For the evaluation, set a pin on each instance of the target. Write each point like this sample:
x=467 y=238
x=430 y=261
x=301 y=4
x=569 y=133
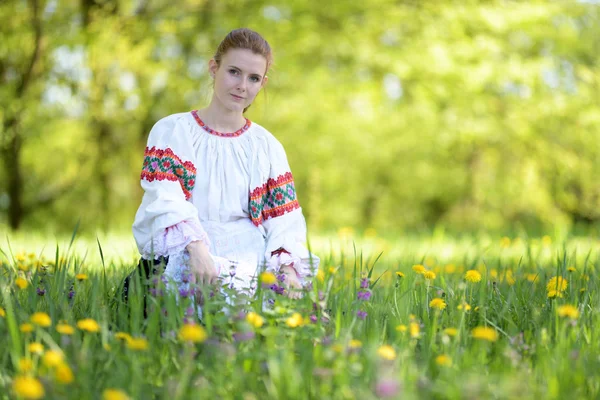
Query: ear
x=212 y=67
x=264 y=81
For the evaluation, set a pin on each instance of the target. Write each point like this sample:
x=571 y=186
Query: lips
x=237 y=97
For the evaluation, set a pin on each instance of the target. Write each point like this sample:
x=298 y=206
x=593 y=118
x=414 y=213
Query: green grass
x=538 y=353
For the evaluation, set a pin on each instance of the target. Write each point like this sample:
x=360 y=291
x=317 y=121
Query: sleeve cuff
x=174 y=239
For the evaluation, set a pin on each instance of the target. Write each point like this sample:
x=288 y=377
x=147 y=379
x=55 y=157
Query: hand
x=291 y=282
x=202 y=267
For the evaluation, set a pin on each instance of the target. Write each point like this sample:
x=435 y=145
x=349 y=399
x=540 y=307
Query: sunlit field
x=412 y=317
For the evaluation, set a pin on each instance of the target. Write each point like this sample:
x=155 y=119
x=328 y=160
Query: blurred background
x=397 y=116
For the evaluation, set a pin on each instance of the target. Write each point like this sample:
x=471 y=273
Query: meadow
x=436 y=317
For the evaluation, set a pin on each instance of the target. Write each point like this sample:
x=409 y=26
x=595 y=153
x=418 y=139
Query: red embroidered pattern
x=165 y=165
x=273 y=199
x=213 y=132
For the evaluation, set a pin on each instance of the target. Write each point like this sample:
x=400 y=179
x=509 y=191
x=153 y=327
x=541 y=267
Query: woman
x=219 y=197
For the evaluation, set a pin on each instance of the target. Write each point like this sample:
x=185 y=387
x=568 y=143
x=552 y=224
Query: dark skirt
x=144 y=273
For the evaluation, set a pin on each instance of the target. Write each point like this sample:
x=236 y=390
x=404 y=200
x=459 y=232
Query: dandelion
x=192 y=333
x=355 y=344
x=485 y=333
x=81 y=277
x=415 y=330
x=26 y=328
x=401 y=328
x=255 y=320
x=532 y=277
x=64 y=374
x=21 y=283
x=450 y=268
x=571 y=269
x=553 y=294
x=386 y=352
x=65 y=329
x=41 y=319
x=138 y=344
x=2 y=312
x=429 y=275
x=36 y=348
x=333 y=270
x=473 y=276
x=505 y=242
x=28 y=387
x=419 y=269
x=321 y=275
x=295 y=320
x=52 y=358
x=546 y=240
x=557 y=283
x=88 y=325
x=568 y=311
x=464 y=306
x=437 y=303
x=451 y=331
x=25 y=365
x=114 y=394
x=122 y=336
x=268 y=278
x=443 y=360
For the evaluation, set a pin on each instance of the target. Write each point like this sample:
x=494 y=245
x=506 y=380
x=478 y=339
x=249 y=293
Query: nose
x=242 y=86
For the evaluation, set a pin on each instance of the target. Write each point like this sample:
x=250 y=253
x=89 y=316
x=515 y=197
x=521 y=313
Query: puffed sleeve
x=276 y=207
x=167 y=221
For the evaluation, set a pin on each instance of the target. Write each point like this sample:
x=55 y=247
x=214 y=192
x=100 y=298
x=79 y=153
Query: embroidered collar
x=213 y=132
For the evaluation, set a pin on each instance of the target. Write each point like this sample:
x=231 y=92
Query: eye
x=233 y=71
x=255 y=79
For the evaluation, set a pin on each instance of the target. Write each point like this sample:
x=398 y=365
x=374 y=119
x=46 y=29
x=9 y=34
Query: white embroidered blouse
x=234 y=191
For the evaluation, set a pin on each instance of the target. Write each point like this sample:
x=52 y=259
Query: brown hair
x=248 y=39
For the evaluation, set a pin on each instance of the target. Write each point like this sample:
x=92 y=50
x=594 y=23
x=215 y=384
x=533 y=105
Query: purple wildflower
x=313 y=319
x=387 y=388
x=364 y=283
x=71 y=294
x=185 y=278
x=281 y=277
x=364 y=295
x=321 y=295
x=41 y=291
x=232 y=272
x=361 y=314
x=184 y=293
x=243 y=336
x=308 y=286
x=271 y=301
x=190 y=311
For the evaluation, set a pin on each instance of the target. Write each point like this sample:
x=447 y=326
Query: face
x=238 y=79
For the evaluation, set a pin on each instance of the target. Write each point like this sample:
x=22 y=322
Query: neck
x=221 y=119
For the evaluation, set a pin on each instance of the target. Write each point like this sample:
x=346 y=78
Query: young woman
x=219 y=197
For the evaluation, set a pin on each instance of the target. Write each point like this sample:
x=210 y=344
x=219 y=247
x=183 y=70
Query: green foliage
x=472 y=115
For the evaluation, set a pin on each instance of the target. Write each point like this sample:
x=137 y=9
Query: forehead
x=245 y=60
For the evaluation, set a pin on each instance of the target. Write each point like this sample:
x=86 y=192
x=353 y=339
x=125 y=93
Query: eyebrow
x=253 y=73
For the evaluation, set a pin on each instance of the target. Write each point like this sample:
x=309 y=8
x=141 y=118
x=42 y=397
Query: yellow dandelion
x=321 y=275
x=64 y=374
x=255 y=320
x=451 y=331
x=106 y=346
x=124 y=336
x=485 y=333
x=429 y=275
x=192 y=333
x=26 y=327
x=268 y=278
x=295 y=320
x=114 y=394
x=418 y=268
x=386 y=352
x=81 y=277
x=553 y=294
x=21 y=283
x=464 y=306
x=568 y=311
x=28 y=387
x=493 y=273
x=582 y=290
x=2 y=312
x=505 y=242
x=88 y=325
x=21 y=257
x=52 y=358
x=333 y=270
x=23 y=267
x=546 y=240
x=415 y=330
x=557 y=283
x=370 y=233
x=532 y=277
x=41 y=319
x=450 y=268
x=399 y=274
x=473 y=276
x=443 y=360
x=25 y=365
x=437 y=303
x=355 y=344
x=36 y=348
x=509 y=277
x=571 y=269
x=65 y=329
x=138 y=344
x=402 y=328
